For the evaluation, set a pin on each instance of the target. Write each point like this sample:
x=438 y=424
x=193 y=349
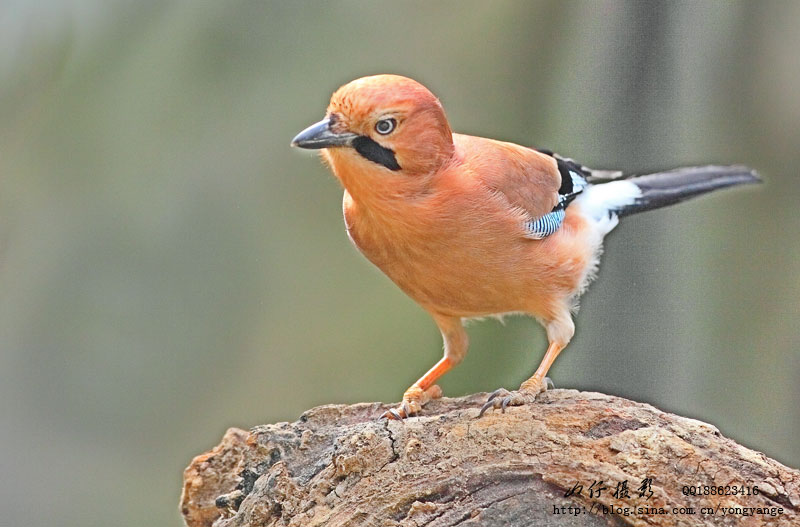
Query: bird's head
x=382 y=123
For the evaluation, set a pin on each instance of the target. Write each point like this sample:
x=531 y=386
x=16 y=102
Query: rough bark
x=339 y=465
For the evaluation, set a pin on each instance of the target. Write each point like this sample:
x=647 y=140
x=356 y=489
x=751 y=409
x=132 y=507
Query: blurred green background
x=169 y=267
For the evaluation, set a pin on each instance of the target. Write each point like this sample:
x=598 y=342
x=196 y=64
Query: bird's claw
x=413 y=400
x=502 y=398
x=406 y=409
x=496 y=401
x=393 y=414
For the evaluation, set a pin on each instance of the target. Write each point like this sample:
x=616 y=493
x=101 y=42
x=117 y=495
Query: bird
x=471 y=227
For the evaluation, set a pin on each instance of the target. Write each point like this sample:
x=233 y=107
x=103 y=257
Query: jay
x=473 y=227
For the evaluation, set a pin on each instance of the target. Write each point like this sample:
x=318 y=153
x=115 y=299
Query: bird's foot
x=502 y=398
x=413 y=401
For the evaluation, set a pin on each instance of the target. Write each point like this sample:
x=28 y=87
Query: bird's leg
x=559 y=333
x=422 y=391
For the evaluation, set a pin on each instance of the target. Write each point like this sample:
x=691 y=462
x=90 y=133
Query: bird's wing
x=573 y=181
x=592 y=175
x=526 y=179
x=540 y=184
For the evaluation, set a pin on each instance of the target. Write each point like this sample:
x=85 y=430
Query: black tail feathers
x=667 y=188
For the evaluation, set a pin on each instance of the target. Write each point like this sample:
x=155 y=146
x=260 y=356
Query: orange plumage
x=447 y=217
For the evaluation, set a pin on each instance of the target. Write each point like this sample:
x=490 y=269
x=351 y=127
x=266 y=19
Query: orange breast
x=462 y=253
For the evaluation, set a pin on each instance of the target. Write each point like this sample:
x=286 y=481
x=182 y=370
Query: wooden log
x=564 y=461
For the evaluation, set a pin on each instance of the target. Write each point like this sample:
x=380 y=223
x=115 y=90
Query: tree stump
x=571 y=459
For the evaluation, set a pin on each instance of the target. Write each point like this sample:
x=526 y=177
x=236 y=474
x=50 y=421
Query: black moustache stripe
x=376 y=153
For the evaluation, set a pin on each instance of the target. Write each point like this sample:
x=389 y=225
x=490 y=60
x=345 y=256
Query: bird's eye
x=385 y=126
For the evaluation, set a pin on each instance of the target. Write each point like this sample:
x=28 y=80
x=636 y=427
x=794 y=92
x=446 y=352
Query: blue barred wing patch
x=546 y=225
x=551 y=222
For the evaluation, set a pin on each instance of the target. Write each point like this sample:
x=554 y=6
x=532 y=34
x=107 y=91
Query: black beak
x=320 y=135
